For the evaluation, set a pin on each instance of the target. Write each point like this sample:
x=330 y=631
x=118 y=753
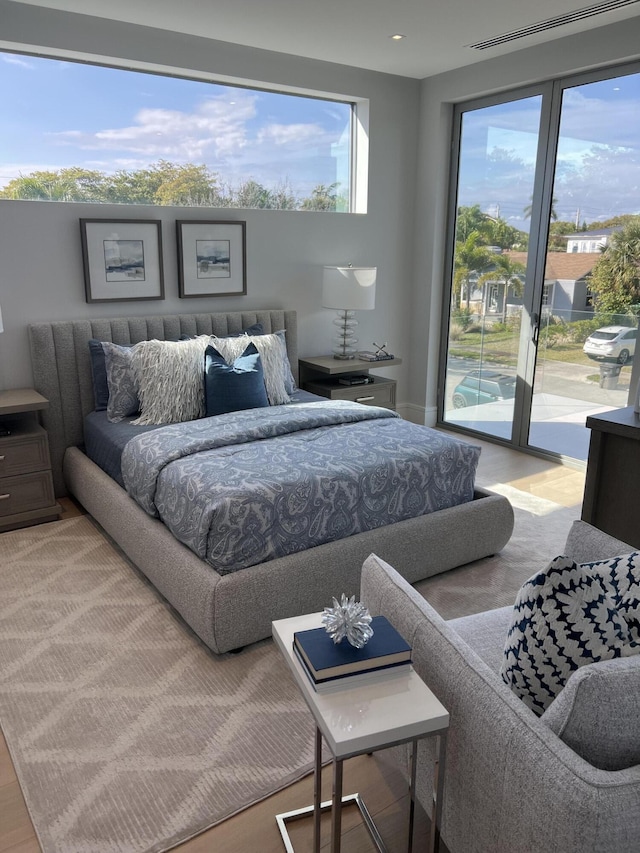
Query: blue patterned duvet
x=246 y=487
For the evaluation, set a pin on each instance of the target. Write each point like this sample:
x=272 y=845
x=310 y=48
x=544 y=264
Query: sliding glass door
x=543 y=259
x=498 y=147
x=581 y=369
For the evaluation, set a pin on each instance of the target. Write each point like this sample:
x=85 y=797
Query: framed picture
x=211 y=258
x=122 y=259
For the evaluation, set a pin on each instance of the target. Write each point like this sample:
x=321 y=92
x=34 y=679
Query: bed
x=228 y=610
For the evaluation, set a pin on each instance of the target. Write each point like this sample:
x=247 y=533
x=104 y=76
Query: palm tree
x=470 y=257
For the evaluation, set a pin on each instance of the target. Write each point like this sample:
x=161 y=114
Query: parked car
x=611 y=343
x=483 y=386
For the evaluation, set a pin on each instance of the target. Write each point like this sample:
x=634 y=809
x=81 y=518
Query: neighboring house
x=589 y=241
x=566 y=292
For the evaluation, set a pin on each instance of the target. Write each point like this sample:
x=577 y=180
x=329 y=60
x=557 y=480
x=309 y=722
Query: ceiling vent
x=552 y=23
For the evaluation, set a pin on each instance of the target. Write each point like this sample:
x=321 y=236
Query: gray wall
x=403 y=233
x=613 y=44
x=41 y=274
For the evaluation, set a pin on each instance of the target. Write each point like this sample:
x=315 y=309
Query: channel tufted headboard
x=62 y=369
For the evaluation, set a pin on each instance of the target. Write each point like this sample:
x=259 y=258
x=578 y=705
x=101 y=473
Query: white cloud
x=216 y=128
x=293 y=135
x=10 y=59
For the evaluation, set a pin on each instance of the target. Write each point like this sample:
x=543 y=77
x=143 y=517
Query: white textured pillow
x=170 y=377
x=273 y=354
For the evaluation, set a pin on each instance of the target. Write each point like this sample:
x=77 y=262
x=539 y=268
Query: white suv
x=611 y=343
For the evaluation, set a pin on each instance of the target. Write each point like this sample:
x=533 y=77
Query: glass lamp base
x=344 y=347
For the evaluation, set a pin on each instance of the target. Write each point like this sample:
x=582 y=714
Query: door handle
x=535 y=318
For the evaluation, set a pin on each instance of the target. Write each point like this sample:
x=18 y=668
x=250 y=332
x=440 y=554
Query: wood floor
x=378 y=782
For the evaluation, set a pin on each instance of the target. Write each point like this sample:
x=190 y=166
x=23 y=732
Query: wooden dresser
x=612 y=487
x=26 y=485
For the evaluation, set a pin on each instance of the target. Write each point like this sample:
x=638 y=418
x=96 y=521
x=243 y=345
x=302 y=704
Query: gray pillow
x=598 y=714
x=121 y=381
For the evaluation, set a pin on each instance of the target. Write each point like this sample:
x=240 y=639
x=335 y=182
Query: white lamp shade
x=349 y=288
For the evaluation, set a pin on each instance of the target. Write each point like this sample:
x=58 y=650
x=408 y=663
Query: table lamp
x=348 y=289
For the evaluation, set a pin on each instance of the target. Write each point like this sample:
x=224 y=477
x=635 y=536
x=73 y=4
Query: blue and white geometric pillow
x=622 y=577
x=564 y=617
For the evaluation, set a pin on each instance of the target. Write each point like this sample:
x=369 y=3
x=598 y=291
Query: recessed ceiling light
x=397 y=36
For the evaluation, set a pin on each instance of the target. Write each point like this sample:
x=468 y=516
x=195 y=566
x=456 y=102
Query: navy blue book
x=326 y=660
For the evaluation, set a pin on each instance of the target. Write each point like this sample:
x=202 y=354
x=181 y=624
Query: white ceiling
x=355 y=32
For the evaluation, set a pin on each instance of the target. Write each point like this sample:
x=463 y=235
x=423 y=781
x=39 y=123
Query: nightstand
x=26 y=484
x=321 y=375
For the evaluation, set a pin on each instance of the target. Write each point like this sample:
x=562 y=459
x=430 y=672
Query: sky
x=597 y=173
x=56 y=114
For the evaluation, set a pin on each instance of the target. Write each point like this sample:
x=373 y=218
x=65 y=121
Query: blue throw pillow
x=98 y=375
x=232 y=387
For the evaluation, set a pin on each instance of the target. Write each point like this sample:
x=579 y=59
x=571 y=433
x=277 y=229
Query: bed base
x=229 y=611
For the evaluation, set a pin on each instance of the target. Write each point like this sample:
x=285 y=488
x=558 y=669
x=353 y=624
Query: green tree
x=188 y=185
x=499 y=233
x=493 y=230
x=471 y=256
x=251 y=194
x=72 y=184
x=558 y=231
x=323 y=197
x=615 y=279
x=470 y=219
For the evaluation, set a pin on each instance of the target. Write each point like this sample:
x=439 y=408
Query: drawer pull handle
x=1 y=458
x=4 y=497
x=365 y=399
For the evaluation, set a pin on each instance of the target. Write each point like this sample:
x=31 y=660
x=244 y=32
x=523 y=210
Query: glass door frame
x=551 y=93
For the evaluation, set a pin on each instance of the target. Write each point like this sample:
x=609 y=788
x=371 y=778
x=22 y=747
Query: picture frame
x=122 y=259
x=212 y=258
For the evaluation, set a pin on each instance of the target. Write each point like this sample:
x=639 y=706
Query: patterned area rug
x=539 y=535
x=127 y=734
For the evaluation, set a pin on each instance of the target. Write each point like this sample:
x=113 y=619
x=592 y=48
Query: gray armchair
x=515 y=782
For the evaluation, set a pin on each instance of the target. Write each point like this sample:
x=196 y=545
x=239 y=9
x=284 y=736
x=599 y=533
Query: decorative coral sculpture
x=348 y=618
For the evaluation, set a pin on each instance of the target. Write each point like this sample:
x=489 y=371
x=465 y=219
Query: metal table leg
x=438 y=786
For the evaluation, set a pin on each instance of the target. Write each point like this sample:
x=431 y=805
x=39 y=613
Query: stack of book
x=331 y=666
x=368 y=355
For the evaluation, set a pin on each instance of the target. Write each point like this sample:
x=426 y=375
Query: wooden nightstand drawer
x=380 y=392
x=24 y=451
x=26 y=492
x=373 y=394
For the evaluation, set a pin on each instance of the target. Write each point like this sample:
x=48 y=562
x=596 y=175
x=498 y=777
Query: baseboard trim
x=418 y=414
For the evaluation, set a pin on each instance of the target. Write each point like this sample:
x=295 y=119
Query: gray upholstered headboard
x=62 y=369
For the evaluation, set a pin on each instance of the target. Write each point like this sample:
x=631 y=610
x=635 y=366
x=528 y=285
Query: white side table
x=396 y=708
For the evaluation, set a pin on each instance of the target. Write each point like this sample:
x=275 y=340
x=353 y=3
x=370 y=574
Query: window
x=79 y=132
